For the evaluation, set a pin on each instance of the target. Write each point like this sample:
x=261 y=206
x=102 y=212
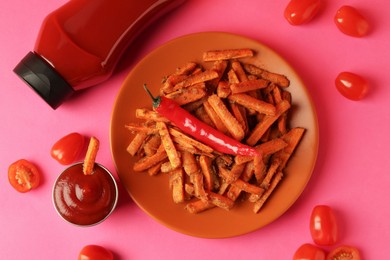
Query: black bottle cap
x=44 y=79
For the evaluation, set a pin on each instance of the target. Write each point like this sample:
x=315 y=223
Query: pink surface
x=351 y=174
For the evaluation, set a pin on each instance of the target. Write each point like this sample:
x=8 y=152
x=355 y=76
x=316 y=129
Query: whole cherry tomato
x=301 y=11
x=95 y=252
x=68 y=148
x=344 y=253
x=309 y=252
x=323 y=226
x=351 y=22
x=351 y=85
x=23 y=175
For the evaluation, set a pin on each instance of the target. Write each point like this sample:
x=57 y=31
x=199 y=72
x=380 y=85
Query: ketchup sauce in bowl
x=85 y=200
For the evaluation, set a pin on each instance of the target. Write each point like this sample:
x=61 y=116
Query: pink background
x=351 y=175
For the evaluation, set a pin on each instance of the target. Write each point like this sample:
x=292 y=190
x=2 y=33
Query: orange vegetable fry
x=267 y=148
x=176 y=180
x=292 y=138
x=166 y=167
x=217 y=121
x=260 y=203
x=167 y=142
x=185 y=138
x=182 y=146
x=208 y=172
x=198 y=206
x=230 y=122
x=190 y=107
x=268 y=120
x=152 y=144
x=248 y=85
x=278 y=79
x=223 y=89
x=148 y=161
x=197 y=78
x=190 y=165
x=253 y=103
x=186 y=69
x=235 y=172
x=277 y=94
x=188 y=95
x=232 y=77
x=90 y=157
x=239 y=113
x=201 y=114
x=248 y=171
x=220 y=200
x=219 y=66
x=241 y=75
x=227 y=54
x=141 y=128
x=156 y=169
x=136 y=143
x=146 y=114
x=170 y=82
x=197 y=180
x=270 y=173
x=259 y=168
x=247 y=187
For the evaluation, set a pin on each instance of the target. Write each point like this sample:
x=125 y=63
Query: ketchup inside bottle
x=80 y=43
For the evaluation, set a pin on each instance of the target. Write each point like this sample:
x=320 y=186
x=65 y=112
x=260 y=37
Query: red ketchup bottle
x=80 y=43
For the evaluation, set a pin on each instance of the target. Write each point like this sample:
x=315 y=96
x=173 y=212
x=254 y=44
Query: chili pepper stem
x=156 y=100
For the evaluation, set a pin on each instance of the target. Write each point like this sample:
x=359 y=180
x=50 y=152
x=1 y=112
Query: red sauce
x=85 y=199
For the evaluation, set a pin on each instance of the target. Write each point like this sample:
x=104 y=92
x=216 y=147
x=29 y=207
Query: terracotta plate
x=152 y=194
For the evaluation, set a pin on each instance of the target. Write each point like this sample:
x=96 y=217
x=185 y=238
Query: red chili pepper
x=198 y=129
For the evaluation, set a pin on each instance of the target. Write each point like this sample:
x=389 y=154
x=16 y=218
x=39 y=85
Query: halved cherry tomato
x=68 y=148
x=323 y=226
x=95 y=252
x=351 y=85
x=344 y=253
x=301 y=11
x=351 y=22
x=309 y=252
x=23 y=175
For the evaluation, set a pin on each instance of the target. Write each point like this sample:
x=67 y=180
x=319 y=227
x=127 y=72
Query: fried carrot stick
x=268 y=120
x=253 y=103
x=148 y=161
x=278 y=79
x=176 y=180
x=146 y=114
x=136 y=143
x=167 y=142
x=197 y=78
x=188 y=95
x=227 y=54
x=249 y=85
x=90 y=157
x=230 y=122
x=260 y=203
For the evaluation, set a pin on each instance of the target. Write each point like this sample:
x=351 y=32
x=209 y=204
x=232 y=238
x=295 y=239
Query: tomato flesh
x=67 y=149
x=23 y=175
x=309 y=252
x=301 y=11
x=95 y=252
x=351 y=22
x=323 y=226
x=344 y=253
x=351 y=85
